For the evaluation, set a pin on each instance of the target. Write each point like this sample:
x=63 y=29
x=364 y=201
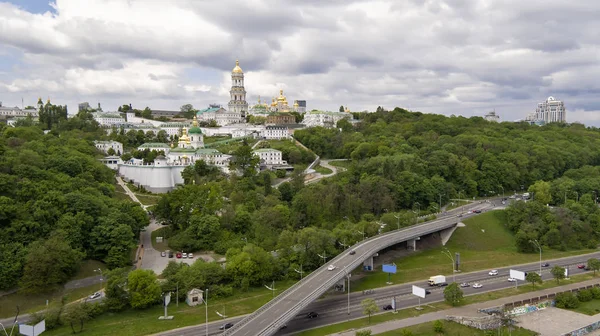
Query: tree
x=593 y=264
x=369 y=307
x=342 y=109
x=245 y=160
x=110 y=151
x=541 y=192
x=188 y=111
x=366 y=332
x=74 y=314
x=406 y=332
x=144 y=289
x=116 y=294
x=534 y=278
x=558 y=273
x=453 y=294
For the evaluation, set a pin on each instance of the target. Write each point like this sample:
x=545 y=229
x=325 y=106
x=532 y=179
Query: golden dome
x=281 y=96
x=273 y=103
x=296 y=103
x=237 y=68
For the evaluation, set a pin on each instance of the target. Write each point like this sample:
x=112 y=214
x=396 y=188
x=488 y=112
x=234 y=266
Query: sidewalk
x=469 y=310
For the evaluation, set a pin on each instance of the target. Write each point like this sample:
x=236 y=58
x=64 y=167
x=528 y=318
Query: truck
x=437 y=280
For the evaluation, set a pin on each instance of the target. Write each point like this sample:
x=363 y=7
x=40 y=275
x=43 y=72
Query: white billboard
x=418 y=291
x=32 y=330
x=517 y=275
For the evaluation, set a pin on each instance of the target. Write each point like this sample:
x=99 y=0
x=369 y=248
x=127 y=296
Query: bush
x=438 y=326
x=585 y=295
x=595 y=292
x=280 y=173
x=566 y=301
x=220 y=291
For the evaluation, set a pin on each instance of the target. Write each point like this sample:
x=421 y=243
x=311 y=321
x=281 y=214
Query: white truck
x=437 y=280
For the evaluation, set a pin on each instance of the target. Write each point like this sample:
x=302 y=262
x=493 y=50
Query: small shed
x=194 y=297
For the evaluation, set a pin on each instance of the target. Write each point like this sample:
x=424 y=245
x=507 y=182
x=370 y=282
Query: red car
x=178 y=254
x=582 y=266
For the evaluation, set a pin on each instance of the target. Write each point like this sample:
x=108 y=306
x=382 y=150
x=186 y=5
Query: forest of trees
x=57 y=206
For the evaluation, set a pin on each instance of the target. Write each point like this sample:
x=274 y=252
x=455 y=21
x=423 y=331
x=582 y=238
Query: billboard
x=32 y=330
x=517 y=275
x=389 y=268
x=418 y=291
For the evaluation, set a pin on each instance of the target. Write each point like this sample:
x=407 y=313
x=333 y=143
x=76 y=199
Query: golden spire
x=195 y=122
x=237 y=68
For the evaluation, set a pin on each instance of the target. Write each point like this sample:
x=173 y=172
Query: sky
x=461 y=57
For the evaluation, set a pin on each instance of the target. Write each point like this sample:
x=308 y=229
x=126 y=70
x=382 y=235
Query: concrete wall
x=481 y=323
x=156 y=179
x=585 y=330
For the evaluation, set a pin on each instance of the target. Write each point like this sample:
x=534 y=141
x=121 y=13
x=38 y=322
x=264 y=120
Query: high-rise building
x=492 y=116
x=237 y=102
x=551 y=110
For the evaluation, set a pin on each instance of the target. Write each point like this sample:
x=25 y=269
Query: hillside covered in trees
x=57 y=206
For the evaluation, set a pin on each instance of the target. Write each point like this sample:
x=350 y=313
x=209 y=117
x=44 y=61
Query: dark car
x=170 y=254
x=283 y=327
x=443 y=284
x=545 y=265
x=312 y=315
x=226 y=326
x=427 y=292
x=352 y=252
x=388 y=307
x=477 y=211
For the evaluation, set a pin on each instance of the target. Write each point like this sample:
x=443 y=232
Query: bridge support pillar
x=368 y=264
x=412 y=244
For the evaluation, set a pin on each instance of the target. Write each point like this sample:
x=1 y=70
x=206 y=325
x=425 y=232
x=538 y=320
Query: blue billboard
x=389 y=268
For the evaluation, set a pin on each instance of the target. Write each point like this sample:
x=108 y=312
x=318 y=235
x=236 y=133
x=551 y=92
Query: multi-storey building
x=549 y=111
x=237 y=102
x=108 y=119
x=104 y=146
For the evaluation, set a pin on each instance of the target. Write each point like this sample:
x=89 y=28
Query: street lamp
x=537 y=244
x=300 y=271
x=324 y=256
x=440 y=203
x=206 y=310
x=361 y=232
x=398 y=218
x=447 y=253
x=502 y=192
x=418 y=212
x=101 y=276
x=272 y=288
x=348 y=277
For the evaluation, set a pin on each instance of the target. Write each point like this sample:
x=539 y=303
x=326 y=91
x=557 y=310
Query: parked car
x=283 y=327
x=427 y=291
x=512 y=279
x=352 y=252
x=190 y=256
x=170 y=254
x=493 y=272
x=477 y=211
x=226 y=326
x=163 y=254
x=464 y=284
x=545 y=265
x=388 y=307
x=184 y=255
x=312 y=315
x=477 y=285
x=331 y=267
x=95 y=295
x=178 y=255
x=582 y=266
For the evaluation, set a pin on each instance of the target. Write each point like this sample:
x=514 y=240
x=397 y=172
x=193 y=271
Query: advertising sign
x=389 y=268
x=517 y=275
x=418 y=291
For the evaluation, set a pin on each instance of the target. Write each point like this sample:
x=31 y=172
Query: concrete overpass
x=268 y=319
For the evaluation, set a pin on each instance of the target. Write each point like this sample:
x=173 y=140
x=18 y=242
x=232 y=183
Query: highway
x=334 y=309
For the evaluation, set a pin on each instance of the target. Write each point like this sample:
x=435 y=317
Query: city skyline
x=444 y=57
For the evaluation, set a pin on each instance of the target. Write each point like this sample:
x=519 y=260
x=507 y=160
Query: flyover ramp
x=269 y=318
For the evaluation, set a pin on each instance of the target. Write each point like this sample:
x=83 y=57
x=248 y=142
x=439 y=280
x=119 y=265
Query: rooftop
x=154 y=145
x=267 y=150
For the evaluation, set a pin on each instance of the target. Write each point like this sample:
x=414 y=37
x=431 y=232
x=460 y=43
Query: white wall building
x=131 y=118
x=276 y=132
x=221 y=116
x=324 y=118
x=108 y=119
x=155 y=146
x=104 y=146
x=112 y=162
x=551 y=110
x=270 y=156
x=7 y=112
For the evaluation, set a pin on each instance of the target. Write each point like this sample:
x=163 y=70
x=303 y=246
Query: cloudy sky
x=462 y=57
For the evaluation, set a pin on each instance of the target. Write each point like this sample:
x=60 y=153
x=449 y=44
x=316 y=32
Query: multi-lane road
x=334 y=309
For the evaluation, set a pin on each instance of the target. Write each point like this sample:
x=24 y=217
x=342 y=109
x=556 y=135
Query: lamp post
x=459 y=202
x=440 y=203
x=447 y=253
x=206 y=311
x=398 y=218
x=537 y=244
x=418 y=212
x=324 y=256
x=348 y=277
x=101 y=276
x=272 y=289
x=300 y=271
x=502 y=192
x=361 y=232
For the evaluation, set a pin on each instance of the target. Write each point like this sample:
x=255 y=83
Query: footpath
x=471 y=310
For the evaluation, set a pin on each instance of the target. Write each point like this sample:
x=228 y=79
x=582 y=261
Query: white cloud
x=441 y=56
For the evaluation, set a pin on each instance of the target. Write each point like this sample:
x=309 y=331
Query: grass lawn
x=32 y=303
x=143 y=322
x=87 y=268
x=483 y=244
x=323 y=170
x=589 y=308
x=148 y=199
x=159 y=246
x=452 y=328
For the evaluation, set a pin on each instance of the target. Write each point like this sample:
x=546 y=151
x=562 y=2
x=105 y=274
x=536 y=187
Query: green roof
x=195 y=130
x=210 y=109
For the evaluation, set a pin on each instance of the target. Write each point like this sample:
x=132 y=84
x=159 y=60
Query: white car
x=331 y=267
x=95 y=295
x=184 y=255
x=477 y=285
x=512 y=279
x=190 y=256
x=493 y=272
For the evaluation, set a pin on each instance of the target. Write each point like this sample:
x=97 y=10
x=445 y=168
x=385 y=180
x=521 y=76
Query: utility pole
x=537 y=244
x=206 y=310
x=272 y=288
x=440 y=203
x=398 y=218
x=447 y=253
x=101 y=277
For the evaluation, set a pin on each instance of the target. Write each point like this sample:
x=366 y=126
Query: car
x=312 y=315
x=226 y=326
x=587 y=268
x=512 y=197
x=477 y=211
x=178 y=255
x=512 y=279
x=493 y=272
x=388 y=307
x=352 y=252
x=477 y=285
x=170 y=254
x=464 y=284
x=184 y=255
x=443 y=284
x=459 y=215
x=190 y=256
x=427 y=291
x=95 y=295
x=582 y=266
x=331 y=267
x=545 y=265
x=283 y=327
x=163 y=254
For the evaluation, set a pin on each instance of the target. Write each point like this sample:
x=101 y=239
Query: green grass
x=483 y=244
x=144 y=322
x=147 y=199
x=589 y=308
x=87 y=268
x=452 y=328
x=323 y=170
x=159 y=246
x=32 y=303
x=209 y=140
